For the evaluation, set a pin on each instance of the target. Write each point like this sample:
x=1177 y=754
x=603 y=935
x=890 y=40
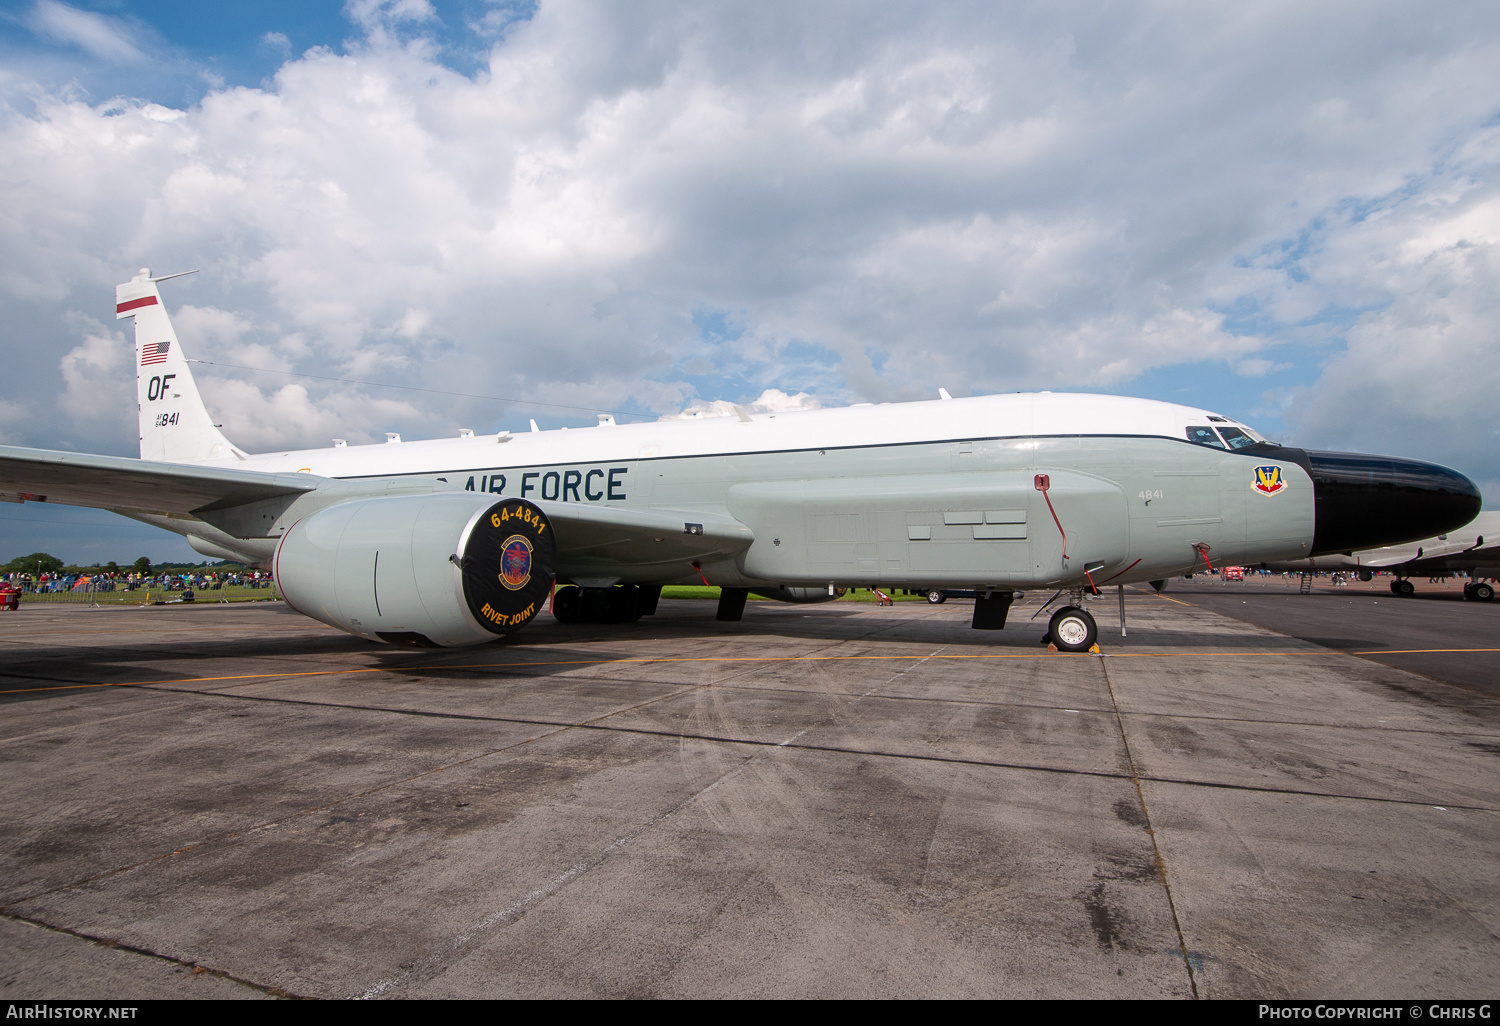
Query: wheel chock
x=1052 y=647
x=1094 y=649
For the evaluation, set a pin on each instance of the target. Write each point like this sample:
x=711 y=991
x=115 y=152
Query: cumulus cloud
x=104 y=37
x=98 y=376
x=635 y=208
x=772 y=400
x=1424 y=365
x=12 y=416
x=287 y=416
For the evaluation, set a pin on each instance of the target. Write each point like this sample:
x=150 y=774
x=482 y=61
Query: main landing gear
x=625 y=603
x=1474 y=591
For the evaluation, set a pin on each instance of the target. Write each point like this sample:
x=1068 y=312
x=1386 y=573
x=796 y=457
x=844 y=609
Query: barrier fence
x=147 y=595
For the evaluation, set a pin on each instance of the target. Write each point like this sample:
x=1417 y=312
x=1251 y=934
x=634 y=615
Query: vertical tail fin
x=174 y=424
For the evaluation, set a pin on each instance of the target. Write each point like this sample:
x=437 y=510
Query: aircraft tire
x=936 y=597
x=1405 y=589
x=621 y=604
x=567 y=604
x=1073 y=629
x=1484 y=592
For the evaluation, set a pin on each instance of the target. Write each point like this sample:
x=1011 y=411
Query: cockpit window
x=1204 y=436
x=1236 y=438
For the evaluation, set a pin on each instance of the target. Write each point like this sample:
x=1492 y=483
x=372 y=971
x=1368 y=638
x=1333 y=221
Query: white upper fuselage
x=1019 y=415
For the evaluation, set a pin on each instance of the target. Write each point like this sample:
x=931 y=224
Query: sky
x=1283 y=212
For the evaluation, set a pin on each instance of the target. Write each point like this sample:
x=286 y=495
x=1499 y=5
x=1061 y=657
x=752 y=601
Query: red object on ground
x=10 y=597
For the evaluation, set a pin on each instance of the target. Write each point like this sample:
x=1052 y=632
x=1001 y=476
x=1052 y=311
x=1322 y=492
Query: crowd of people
x=106 y=581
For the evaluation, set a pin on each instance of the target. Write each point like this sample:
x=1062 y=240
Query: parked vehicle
x=937 y=596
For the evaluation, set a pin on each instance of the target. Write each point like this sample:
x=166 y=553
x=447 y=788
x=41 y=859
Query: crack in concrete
x=1161 y=866
x=196 y=967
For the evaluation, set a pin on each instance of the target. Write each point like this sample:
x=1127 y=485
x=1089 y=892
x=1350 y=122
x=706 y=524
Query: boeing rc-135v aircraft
x=458 y=541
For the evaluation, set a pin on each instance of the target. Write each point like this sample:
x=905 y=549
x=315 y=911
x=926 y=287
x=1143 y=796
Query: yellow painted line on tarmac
x=1420 y=651
x=170 y=630
x=202 y=680
x=1170 y=599
x=1257 y=654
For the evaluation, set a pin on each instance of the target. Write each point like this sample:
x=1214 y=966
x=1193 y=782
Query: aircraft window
x=1204 y=436
x=1236 y=438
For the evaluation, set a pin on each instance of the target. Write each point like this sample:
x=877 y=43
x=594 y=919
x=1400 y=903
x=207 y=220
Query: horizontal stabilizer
x=117 y=482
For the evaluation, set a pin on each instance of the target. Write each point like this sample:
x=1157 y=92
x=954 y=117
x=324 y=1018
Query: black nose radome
x=1364 y=502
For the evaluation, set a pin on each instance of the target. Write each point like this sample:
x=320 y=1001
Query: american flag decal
x=154 y=352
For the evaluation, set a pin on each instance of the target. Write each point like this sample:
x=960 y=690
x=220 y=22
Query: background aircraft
x=1461 y=550
x=459 y=541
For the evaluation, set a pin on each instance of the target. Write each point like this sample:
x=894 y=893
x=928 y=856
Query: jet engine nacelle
x=440 y=569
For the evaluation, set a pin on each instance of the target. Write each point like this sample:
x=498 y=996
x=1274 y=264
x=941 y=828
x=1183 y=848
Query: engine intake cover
x=439 y=569
x=509 y=563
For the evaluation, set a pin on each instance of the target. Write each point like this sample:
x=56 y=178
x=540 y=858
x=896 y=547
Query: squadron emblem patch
x=1269 y=480
x=515 y=562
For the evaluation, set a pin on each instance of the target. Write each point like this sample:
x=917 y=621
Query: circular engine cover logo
x=515 y=562
x=508 y=565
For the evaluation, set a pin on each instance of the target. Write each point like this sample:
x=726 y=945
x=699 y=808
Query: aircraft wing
x=1464 y=559
x=1378 y=560
x=593 y=541
x=602 y=540
x=144 y=486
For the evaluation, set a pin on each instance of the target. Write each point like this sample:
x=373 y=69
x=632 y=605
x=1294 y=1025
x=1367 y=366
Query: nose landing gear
x=1072 y=629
